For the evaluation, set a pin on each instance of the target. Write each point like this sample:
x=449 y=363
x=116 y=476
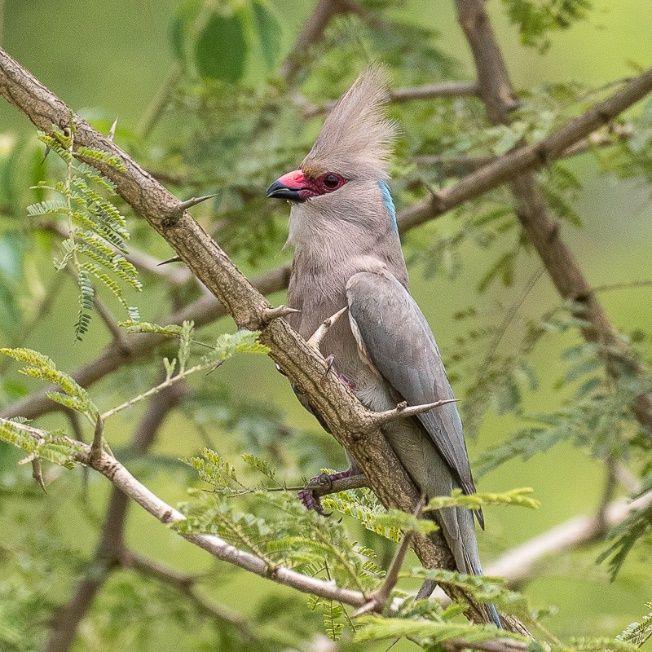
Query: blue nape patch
x=389 y=202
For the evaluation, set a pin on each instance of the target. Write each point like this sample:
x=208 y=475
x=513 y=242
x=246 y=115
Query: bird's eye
x=331 y=181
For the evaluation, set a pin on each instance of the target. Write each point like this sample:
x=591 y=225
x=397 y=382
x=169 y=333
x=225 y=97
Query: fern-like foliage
x=97 y=231
x=639 y=632
x=281 y=530
x=518 y=497
x=54 y=447
x=637 y=526
x=427 y=632
x=72 y=396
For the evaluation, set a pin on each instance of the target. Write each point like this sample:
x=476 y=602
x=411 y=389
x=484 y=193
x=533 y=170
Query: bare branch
x=312 y=32
x=518 y=565
x=122 y=480
x=401 y=95
x=340 y=410
x=207 y=309
x=112 y=326
x=186 y=584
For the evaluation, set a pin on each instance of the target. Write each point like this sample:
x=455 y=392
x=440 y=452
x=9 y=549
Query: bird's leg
x=328 y=483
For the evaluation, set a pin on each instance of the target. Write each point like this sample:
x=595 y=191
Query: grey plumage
x=347 y=252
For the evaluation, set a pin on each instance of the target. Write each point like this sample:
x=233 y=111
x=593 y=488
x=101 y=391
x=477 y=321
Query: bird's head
x=350 y=154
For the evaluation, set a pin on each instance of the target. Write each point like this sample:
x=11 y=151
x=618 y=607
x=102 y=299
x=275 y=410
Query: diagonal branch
x=345 y=417
x=129 y=487
x=207 y=309
x=186 y=584
x=496 y=92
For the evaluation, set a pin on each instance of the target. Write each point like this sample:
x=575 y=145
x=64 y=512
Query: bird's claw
x=320 y=484
x=311 y=501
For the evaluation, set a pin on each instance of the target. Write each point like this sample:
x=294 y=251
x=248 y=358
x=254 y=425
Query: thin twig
x=159 y=102
x=168 y=382
x=378 y=598
x=404 y=411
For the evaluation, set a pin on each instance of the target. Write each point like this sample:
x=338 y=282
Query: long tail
x=459 y=531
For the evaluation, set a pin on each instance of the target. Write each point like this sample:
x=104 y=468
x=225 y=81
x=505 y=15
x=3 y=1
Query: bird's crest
x=356 y=138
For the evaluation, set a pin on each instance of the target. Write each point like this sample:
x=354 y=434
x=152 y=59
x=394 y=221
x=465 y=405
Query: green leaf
x=221 y=49
x=268 y=31
x=520 y=497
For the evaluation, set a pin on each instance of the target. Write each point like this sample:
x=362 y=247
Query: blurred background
x=111 y=60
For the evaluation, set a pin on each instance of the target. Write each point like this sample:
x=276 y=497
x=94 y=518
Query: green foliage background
x=116 y=55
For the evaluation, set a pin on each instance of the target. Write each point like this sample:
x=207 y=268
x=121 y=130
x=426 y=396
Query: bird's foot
x=321 y=484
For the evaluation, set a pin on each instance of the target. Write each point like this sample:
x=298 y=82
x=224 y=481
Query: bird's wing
x=398 y=340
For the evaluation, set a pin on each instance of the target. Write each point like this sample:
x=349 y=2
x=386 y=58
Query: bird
x=348 y=257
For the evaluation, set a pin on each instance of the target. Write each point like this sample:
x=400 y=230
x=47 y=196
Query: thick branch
x=346 y=418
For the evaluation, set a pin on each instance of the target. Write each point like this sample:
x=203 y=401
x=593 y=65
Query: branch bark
x=496 y=91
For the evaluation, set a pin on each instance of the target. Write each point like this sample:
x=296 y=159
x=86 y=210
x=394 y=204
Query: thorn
x=111 y=134
x=315 y=339
x=330 y=361
x=403 y=410
x=38 y=475
x=174 y=259
x=98 y=441
x=193 y=201
x=269 y=314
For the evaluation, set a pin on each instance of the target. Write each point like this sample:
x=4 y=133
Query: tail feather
x=465 y=548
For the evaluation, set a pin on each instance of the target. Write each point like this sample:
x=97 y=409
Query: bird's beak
x=288 y=186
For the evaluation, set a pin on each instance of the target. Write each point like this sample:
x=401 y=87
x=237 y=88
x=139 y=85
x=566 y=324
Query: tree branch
x=312 y=32
x=517 y=565
x=496 y=91
x=110 y=543
x=186 y=584
x=346 y=418
x=408 y=94
x=130 y=487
